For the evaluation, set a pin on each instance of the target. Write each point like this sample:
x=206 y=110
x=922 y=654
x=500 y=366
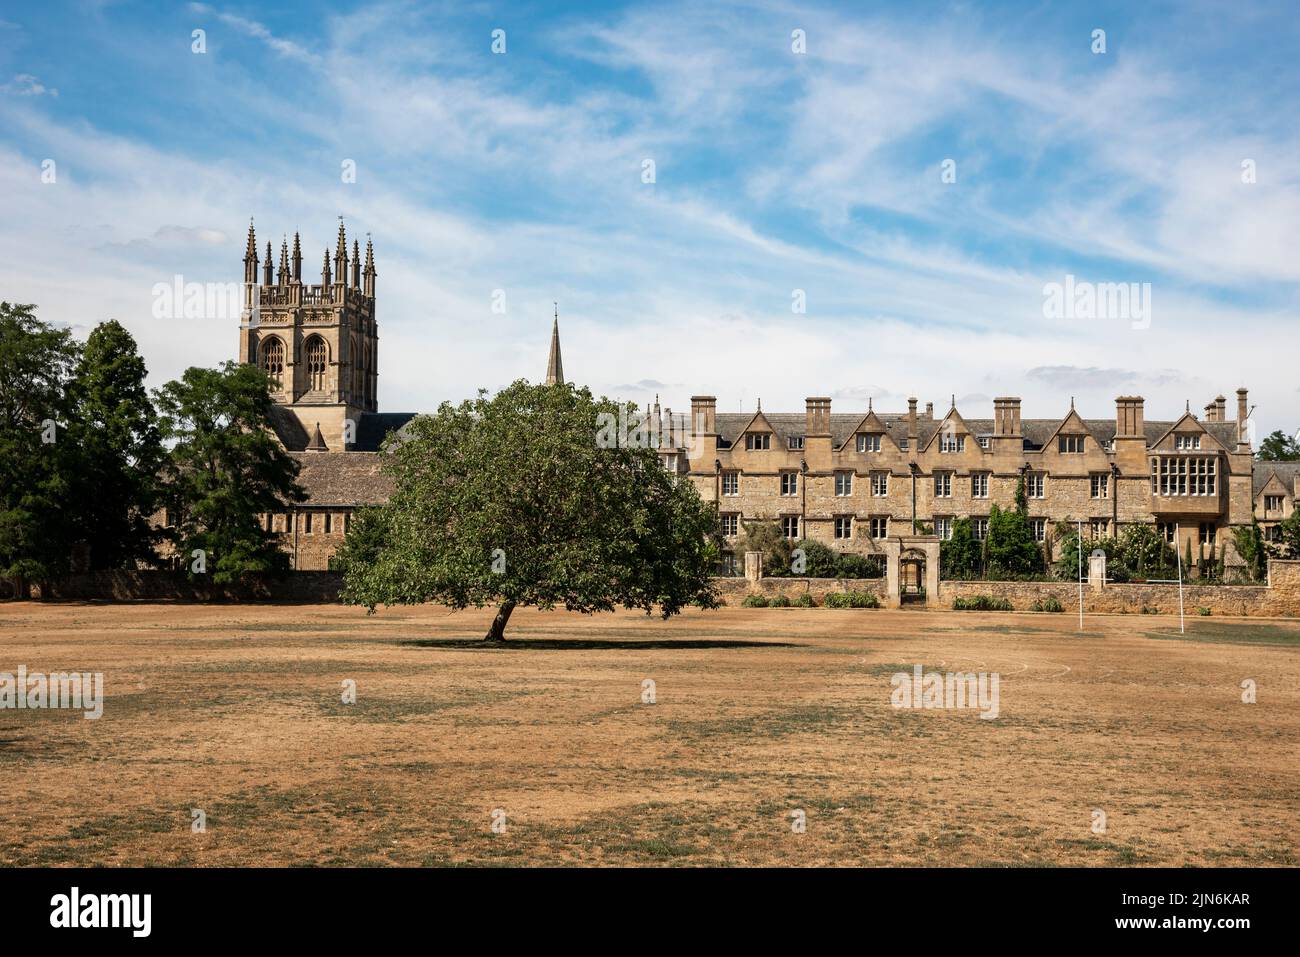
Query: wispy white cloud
x=24 y=84
x=776 y=173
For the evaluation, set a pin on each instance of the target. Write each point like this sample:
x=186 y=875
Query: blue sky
x=775 y=171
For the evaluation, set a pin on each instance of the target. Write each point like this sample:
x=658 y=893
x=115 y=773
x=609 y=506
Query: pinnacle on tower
x=325 y=272
x=341 y=259
x=370 y=268
x=297 y=259
x=356 y=265
x=284 y=261
x=554 y=366
x=266 y=266
x=250 y=256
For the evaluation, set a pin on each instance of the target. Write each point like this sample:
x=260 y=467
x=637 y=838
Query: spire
x=325 y=272
x=370 y=268
x=341 y=257
x=284 y=261
x=297 y=259
x=266 y=266
x=250 y=255
x=317 y=443
x=356 y=265
x=554 y=366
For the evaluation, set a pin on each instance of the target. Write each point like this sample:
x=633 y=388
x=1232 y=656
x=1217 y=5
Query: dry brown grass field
x=236 y=710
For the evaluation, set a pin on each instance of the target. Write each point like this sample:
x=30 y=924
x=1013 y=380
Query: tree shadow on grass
x=593 y=644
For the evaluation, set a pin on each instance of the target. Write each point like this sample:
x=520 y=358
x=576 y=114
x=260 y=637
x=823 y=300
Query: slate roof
x=1036 y=432
x=342 y=478
x=1285 y=471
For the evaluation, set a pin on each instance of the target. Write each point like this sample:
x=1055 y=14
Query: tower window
x=317 y=363
x=273 y=361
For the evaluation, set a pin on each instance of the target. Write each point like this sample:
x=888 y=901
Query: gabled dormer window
x=758 y=441
x=1069 y=444
x=952 y=443
x=868 y=442
x=1187 y=441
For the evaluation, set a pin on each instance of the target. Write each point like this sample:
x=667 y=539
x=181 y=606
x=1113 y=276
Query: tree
x=1278 y=447
x=224 y=472
x=367 y=529
x=36 y=526
x=512 y=500
x=1010 y=547
x=1068 y=564
x=1142 y=552
x=767 y=537
x=1252 y=549
x=961 y=556
x=113 y=432
x=1288 y=534
x=820 y=561
x=849 y=565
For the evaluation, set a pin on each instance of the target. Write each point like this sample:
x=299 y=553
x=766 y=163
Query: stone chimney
x=1220 y=409
x=1006 y=415
x=911 y=424
x=704 y=415
x=1243 y=413
x=1130 y=421
x=817 y=416
x=1211 y=412
x=929 y=410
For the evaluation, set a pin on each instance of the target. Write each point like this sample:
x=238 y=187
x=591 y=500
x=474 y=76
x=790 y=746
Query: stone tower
x=319 y=343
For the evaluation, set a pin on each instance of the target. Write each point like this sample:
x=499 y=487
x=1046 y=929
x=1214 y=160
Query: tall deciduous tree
x=1278 y=447
x=511 y=500
x=224 y=472
x=36 y=363
x=114 y=437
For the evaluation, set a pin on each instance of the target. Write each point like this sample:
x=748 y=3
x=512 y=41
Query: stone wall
x=307 y=586
x=734 y=590
x=1236 y=600
x=1280 y=598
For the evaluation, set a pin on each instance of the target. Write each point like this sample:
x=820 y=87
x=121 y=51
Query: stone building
x=1276 y=486
x=319 y=344
x=851 y=480
x=855 y=480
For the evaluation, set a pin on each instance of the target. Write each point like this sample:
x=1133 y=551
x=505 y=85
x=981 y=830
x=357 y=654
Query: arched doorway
x=911 y=569
x=911 y=576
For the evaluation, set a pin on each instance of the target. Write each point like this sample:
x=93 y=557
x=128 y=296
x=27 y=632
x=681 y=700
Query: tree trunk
x=498 y=630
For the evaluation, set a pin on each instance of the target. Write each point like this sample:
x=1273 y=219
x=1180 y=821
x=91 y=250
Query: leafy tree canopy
x=962 y=555
x=224 y=471
x=113 y=432
x=1278 y=447
x=36 y=525
x=510 y=500
x=1010 y=547
x=767 y=537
